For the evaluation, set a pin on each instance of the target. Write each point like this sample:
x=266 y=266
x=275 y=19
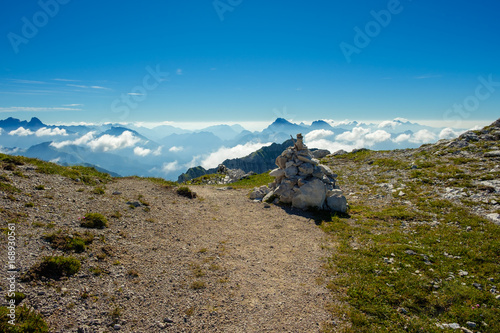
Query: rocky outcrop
x=300 y=180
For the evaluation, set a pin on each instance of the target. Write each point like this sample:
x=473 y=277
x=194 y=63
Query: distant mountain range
x=167 y=151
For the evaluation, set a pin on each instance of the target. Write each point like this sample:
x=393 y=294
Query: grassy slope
x=400 y=266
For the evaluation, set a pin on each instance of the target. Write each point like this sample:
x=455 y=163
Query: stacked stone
x=302 y=181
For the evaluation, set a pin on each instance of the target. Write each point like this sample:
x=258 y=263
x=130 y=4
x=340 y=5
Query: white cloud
x=356 y=134
x=318 y=134
x=157 y=151
x=104 y=143
x=215 y=158
x=334 y=123
x=175 y=149
x=1 y=131
x=376 y=137
x=361 y=137
x=403 y=120
x=51 y=131
x=35 y=109
x=55 y=160
x=78 y=142
x=109 y=142
x=179 y=71
x=423 y=136
x=139 y=151
x=389 y=124
x=21 y=131
x=402 y=138
x=171 y=167
x=448 y=133
x=332 y=146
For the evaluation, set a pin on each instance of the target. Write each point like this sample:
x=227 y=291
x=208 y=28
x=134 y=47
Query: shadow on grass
x=317 y=215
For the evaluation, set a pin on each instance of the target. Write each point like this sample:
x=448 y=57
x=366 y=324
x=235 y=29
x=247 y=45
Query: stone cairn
x=300 y=180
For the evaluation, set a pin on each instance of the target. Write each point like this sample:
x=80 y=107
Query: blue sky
x=249 y=60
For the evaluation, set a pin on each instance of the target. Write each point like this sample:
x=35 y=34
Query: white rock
x=306 y=159
x=336 y=201
x=495 y=218
x=278 y=173
x=312 y=194
x=326 y=170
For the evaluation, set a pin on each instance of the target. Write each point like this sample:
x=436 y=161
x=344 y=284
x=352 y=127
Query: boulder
x=306 y=169
x=336 y=201
x=303 y=158
x=291 y=171
x=320 y=153
x=278 y=173
x=281 y=161
x=310 y=195
x=259 y=192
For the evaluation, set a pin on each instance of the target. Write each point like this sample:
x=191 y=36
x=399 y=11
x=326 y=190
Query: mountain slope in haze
x=259 y=161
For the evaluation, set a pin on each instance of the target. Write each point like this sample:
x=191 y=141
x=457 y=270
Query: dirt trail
x=274 y=258
x=217 y=263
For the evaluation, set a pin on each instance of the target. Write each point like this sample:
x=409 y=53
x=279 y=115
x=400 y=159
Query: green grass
x=26 y=321
x=159 y=181
x=94 y=220
x=390 y=164
x=87 y=175
x=253 y=181
x=361 y=155
x=413 y=292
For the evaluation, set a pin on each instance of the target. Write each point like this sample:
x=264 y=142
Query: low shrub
x=94 y=220
x=54 y=268
x=27 y=321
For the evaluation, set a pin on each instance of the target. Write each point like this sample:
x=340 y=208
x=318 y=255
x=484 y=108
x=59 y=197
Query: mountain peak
x=35 y=122
x=281 y=121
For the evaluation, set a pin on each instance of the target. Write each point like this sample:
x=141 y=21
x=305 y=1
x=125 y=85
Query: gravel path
x=217 y=263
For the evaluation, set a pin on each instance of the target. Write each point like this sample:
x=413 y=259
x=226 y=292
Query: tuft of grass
x=40 y=187
x=98 y=191
x=29 y=205
x=27 y=321
x=18 y=297
x=54 y=267
x=8 y=188
x=94 y=220
x=198 y=285
x=133 y=273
